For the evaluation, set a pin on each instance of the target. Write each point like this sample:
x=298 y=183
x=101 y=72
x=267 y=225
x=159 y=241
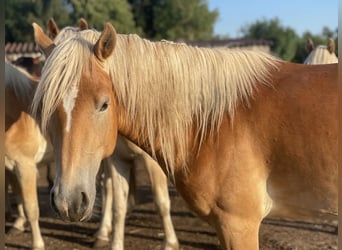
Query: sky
x=301 y=15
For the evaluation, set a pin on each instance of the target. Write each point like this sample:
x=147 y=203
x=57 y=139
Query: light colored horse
x=322 y=54
x=25 y=147
x=242 y=134
x=127 y=156
x=118 y=167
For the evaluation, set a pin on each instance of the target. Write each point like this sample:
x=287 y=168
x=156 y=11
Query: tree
x=174 y=19
x=320 y=39
x=155 y=19
x=117 y=12
x=20 y=14
x=285 y=40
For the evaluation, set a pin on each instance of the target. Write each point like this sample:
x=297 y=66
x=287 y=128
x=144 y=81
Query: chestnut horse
x=117 y=179
x=241 y=134
x=25 y=147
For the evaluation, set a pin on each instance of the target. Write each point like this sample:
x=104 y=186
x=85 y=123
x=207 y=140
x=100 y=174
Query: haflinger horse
x=30 y=64
x=25 y=147
x=322 y=54
x=117 y=180
x=241 y=134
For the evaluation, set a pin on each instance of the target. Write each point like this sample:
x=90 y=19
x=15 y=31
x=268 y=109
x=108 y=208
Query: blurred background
x=282 y=26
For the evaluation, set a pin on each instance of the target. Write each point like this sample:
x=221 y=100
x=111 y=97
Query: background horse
x=118 y=169
x=322 y=54
x=30 y=64
x=242 y=134
x=25 y=147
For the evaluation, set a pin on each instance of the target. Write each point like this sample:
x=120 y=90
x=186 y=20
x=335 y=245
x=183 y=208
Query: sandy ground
x=144 y=231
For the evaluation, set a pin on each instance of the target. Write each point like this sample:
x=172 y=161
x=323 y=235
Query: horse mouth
x=70 y=211
x=67 y=217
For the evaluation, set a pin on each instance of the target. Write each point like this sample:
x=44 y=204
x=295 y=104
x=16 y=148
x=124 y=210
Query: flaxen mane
x=165 y=87
x=21 y=82
x=321 y=55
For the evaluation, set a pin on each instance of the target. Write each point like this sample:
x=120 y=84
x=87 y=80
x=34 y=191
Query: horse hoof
x=100 y=243
x=38 y=248
x=14 y=231
x=171 y=246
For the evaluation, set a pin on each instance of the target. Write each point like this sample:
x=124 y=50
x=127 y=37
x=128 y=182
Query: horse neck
x=139 y=136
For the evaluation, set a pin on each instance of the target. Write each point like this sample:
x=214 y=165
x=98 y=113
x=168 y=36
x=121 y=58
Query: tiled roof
x=21 y=48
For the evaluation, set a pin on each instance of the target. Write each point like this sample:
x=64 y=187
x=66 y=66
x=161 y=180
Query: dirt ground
x=144 y=231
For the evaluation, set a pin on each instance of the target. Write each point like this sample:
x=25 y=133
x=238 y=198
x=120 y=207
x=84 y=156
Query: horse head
x=83 y=124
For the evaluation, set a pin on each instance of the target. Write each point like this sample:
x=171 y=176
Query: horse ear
x=52 y=28
x=331 y=45
x=83 y=24
x=36 y=60
x=309 y=45
x=42 y=40
x=104 y=47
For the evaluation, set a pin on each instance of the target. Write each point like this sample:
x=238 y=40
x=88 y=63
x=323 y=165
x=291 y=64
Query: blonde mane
x=165 y=87
x=21 y=82
x=321 y=55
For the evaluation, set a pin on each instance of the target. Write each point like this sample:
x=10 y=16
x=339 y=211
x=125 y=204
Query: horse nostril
x=85 y=200
x=52 y=201
x=81 y=207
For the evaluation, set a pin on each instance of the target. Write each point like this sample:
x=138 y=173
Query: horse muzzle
x=71 y=206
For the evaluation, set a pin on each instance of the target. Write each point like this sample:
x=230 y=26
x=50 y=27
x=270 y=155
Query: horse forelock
x=165 y=87
x=61 y=76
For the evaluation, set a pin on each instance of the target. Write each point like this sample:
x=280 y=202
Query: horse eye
x=104 y=106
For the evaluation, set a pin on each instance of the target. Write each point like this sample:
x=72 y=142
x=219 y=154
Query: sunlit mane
x=165 y=87
x=22 y=83
x=321 y=55
x=67 y=32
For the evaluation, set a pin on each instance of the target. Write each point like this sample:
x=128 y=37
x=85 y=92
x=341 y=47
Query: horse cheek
x=110 y=136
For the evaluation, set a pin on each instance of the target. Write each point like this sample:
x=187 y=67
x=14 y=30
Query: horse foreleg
x=102 y=235
x=161 y=199
x=8 y=181
x=236 y=232
x=27 y=176
x=19 y=223
x=120 y=177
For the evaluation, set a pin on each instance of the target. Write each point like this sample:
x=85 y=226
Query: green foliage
x=321 y=39
x=117 y=12
x=174 y=19
x=155 y=19
x=188 y=20
x=20 y=14
x=286 y=43
x=285 y=40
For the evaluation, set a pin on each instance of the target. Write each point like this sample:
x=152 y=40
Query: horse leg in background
x=120 y=172
x=8 y=206
x=50 y=174
x=131 y=200
x=161 y=198
x=102 y=235
x=19 y=223
x=27 y=176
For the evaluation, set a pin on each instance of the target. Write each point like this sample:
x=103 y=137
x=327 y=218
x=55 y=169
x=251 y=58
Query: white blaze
x=68 y=104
